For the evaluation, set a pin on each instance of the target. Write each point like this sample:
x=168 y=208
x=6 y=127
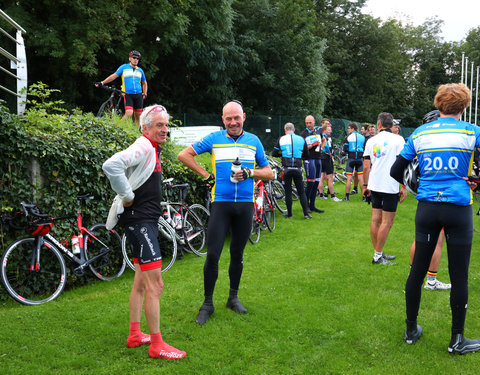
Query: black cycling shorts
x=133 y=101
x=327 y=166
x=385 y=201
x=143 y=241
x=457 y=222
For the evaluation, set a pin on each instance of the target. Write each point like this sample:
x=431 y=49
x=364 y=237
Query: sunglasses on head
x=157 y=108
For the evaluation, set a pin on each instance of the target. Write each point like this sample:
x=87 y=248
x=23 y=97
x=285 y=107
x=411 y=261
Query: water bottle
x=178 y=221
x=259 y=201
x=75 y=245
x=236 y=166
x=166 y=216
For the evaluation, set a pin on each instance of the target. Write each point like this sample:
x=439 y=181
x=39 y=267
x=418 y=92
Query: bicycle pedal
x=79 y=271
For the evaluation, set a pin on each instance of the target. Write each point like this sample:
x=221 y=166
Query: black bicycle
x=112 y=105
x=33 y=270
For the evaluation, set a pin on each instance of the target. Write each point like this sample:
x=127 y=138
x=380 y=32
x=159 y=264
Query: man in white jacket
x=135 y=174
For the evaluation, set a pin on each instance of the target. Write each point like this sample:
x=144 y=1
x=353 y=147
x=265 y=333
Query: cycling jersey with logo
x=224 y=150
x=354 y=144
x=131 y=78
x=444 y=149
x=327 y=149
x=292 y=147
x=313 y=138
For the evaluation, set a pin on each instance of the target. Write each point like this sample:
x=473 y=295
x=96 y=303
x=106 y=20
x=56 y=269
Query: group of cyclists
x=440 y=151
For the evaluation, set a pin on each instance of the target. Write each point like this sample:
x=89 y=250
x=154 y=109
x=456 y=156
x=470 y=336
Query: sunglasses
x=157 y=108
x=135 y=57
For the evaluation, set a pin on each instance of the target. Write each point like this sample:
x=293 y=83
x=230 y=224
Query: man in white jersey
x=380 y=153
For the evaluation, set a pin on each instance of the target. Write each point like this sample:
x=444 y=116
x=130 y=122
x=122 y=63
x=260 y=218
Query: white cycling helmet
x=410 y=177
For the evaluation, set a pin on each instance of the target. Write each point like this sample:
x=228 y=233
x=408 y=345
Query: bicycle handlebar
x=112 y=89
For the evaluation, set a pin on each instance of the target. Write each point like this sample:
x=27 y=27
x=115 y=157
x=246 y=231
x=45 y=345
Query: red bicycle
x=264 y=210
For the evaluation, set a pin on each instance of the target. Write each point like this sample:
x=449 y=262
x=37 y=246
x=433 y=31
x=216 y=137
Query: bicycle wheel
x=127 y=252
x=255 y=234
x=33 y=287
x=106 y=109
x=111 y=264
x=196 y=228
x=269 y=214
x=278 y=196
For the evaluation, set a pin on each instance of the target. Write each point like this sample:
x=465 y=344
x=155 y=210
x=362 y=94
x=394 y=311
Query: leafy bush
x=70 y=149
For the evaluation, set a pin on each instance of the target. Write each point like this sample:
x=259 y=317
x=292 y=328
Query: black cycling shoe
x=205 y=312
x=461 y=345
x=411 y=337
x=315 y=209
x=308 y=216
x=235 y=305
x=388 y=257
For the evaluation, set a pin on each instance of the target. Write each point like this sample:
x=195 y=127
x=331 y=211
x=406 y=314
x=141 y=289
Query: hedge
x=69 y=149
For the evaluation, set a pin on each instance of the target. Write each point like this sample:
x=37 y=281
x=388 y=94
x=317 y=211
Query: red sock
x=156 y=340
x=135 y=328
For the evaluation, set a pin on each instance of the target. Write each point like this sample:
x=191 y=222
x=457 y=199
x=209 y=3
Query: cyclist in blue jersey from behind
x=134 y=84
x=353 y=146
x=232 y=202
x=444 y=149
x=292 y=148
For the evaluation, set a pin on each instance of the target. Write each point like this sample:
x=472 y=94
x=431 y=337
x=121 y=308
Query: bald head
x=310 y=122
x=233 y=118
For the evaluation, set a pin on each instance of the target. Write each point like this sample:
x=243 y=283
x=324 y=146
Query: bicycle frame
x=258 y=203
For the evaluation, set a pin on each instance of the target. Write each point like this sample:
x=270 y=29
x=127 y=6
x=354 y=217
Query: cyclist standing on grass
x=232 y=202
x=444 y=149
x=134 y=84
x=380 y=154
x=292 y=148
x=136 y=176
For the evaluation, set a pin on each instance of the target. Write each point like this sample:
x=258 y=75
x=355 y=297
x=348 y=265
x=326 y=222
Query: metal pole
x=476 y=98
x=466 y=84
x=471 y=89
x=463 y=66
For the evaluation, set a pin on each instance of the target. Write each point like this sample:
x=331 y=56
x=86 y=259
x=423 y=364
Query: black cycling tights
x=224 y=216
x=457 y=222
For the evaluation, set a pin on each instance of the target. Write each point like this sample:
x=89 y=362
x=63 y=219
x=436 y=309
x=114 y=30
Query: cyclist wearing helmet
x=134 y=84
x=444 y=149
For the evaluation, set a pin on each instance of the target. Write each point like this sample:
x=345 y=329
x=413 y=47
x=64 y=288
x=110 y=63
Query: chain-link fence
x=270 y=128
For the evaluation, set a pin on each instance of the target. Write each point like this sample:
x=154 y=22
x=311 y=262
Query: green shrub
x=70 y=149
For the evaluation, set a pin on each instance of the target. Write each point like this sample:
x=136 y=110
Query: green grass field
x=316 y=306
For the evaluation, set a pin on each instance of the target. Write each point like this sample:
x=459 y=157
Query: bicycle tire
x=278 y=196
x=255 y=233
x=197 y=228
x=167 y=242
x=269 y=212
x=112 y=264
x=105 y=109
x=33 y=287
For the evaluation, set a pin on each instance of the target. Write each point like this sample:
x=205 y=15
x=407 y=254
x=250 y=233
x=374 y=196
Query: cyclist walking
x=134 y=84
x=232 y=201
x=135 y=174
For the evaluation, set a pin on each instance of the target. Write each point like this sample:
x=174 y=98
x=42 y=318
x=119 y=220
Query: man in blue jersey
x=232 y=202
x=134 y=84
x=353 y=147
x=292 y=148
x=444 y=149
x=313 y=165
x=326 y=158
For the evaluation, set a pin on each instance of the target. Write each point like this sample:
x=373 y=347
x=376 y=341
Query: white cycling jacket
x=127 y=170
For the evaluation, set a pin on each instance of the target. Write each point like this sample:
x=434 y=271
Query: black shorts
x=327 y=166
x=142 y=238
x=133 y=101
x=457 y=222
x=385 y=201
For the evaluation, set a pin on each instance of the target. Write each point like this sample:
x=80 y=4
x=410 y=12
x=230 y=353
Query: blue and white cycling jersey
x=354 y=144
x=131 y=78
x=444 y=149
x=224 y=150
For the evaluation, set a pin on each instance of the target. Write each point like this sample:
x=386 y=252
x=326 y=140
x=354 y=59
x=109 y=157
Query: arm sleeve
x=276 y=150
x=398 y=167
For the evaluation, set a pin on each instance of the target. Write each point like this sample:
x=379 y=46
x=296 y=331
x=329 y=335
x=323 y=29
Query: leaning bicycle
x=112 y=105
x=33 y=270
